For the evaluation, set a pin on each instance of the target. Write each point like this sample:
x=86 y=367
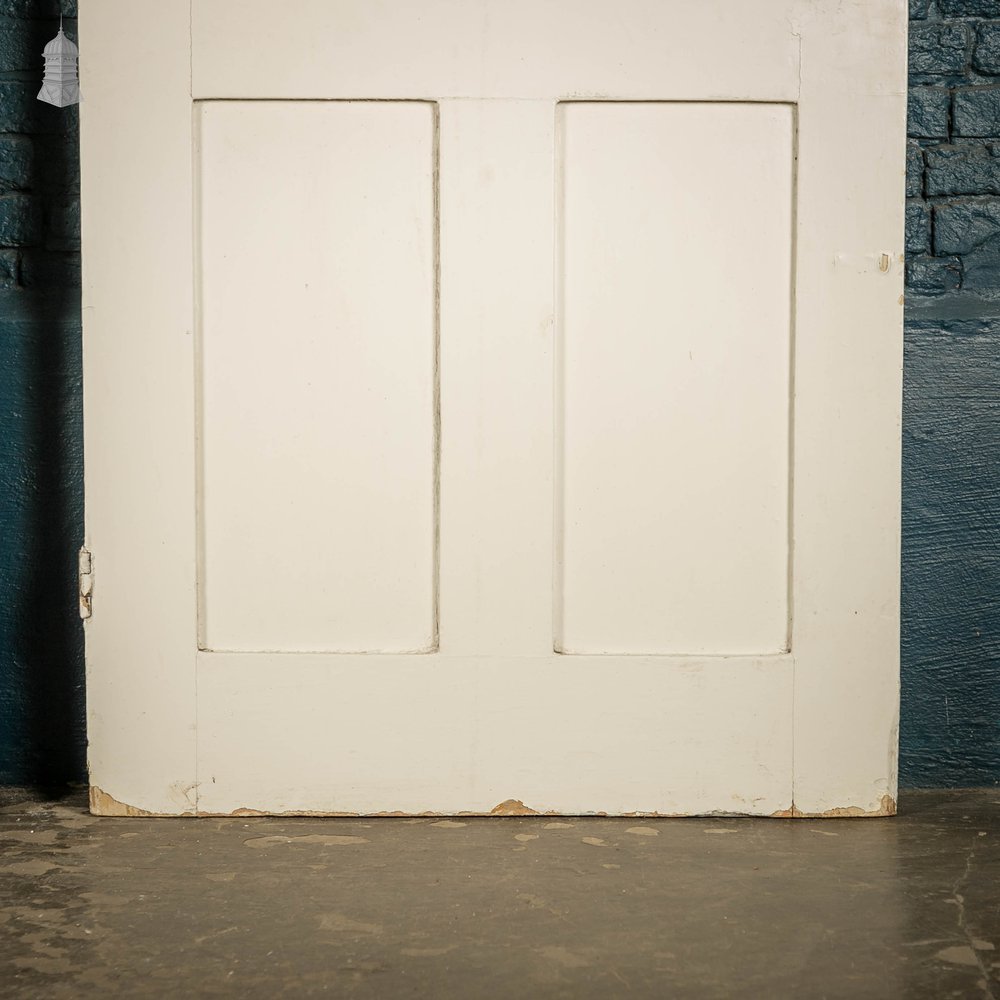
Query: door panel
x=318 y=383
x=675 y=344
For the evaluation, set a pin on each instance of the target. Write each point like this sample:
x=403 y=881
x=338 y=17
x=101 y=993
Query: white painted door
x=493 y=405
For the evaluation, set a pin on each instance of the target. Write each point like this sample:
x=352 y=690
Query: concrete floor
x=521 y=907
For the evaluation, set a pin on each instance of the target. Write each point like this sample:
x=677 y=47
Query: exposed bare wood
x=102 y=804
x=887 y=807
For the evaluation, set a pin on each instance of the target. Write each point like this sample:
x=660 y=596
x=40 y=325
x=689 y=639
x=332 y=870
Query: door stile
x=496 y=320
x=848 y=393
x=139 y=411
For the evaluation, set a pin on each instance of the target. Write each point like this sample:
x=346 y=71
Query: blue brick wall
x=953 y=153
x=950 y=730
x=950 y=723
x=41 y=493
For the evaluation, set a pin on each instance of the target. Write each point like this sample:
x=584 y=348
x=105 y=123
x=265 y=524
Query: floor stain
x=595 y=841
x=534 y=902
x=563 y=956
x=448 y=824
x=38 y=963
x=215 y=934
x=643 y=831
x=45 y=837
x=341 y=923
x=960 y=954
x=525 y=837
x=106 y=899
x=36 y=867
x=324 y=840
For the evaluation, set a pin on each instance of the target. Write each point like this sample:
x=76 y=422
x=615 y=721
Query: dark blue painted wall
x=950 y=731
x=41 y=508
x=950 y=722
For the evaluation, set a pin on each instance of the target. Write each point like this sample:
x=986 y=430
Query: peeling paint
x=887 y=807
x=248 y=811
x=102 y=804
x=181 y=793
x=513 y=807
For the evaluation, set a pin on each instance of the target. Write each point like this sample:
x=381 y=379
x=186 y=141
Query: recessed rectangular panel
x=674 y=378
x=318 y=455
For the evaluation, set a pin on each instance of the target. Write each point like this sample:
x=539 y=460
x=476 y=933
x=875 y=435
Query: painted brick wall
x=950 y=732
x=950 y=724
x=41 y=494
x=953 y=153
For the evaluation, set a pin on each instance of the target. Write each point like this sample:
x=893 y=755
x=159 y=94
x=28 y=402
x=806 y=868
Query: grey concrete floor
x=521 y=907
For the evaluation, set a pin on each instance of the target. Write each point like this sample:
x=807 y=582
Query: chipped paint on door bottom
x=103 y=804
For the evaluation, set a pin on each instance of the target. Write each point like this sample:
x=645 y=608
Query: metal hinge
x=85 y=578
